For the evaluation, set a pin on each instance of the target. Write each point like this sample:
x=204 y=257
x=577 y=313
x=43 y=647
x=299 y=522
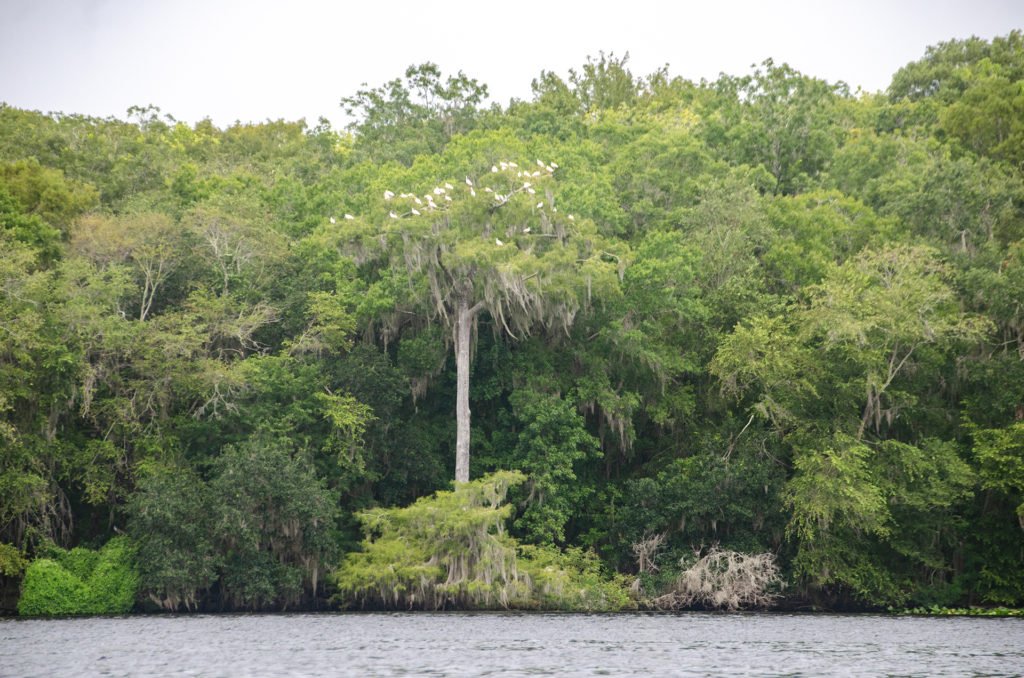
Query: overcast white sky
x=251 y=60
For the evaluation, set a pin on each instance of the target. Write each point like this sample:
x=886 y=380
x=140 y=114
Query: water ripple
x=456 y=644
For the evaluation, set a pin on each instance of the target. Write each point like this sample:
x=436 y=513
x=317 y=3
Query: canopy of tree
x=759 y=315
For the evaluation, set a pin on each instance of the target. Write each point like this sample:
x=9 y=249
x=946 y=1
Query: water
x=460 y=644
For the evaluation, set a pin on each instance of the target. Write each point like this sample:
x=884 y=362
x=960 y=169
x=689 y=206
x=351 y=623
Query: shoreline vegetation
x=962 y=612
x=450 y=552
x=754 y=343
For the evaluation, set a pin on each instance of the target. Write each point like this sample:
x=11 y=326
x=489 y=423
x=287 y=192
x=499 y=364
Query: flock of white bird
x=442 y=192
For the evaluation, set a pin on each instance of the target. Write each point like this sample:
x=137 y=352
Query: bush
x=114 y=581
x=451 y=550
x=724 y=580
x=570 y=580
x=50 y=589
x=82 y=581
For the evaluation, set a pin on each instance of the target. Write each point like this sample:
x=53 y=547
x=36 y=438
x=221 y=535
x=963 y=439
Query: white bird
x=530 y=191
x=333 y=220
x=438 y=190
x=498 y=242
x=513 y=165
x=392 y=215
x=472 y=192
x=469 y=183
x=527 y=184
x=540 y=164
x=554 y=165
x=526 y=230
x=572 y=218
x=417 y=200
x=487 y=189
x=415 y=211
x=540 y=204
x=388 y=195
x=349 y=217
x=448 y=198
x=493 y=168
x=448 y=186
x=503 y=165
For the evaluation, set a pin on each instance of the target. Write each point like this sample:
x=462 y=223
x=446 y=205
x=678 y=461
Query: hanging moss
x=450 y=550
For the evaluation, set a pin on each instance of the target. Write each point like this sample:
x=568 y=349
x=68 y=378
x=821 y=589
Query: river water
x=508 y=644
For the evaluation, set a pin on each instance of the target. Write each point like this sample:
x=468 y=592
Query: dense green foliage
x=451 y=550
x=81 y=581
x=263 y=529
x=759 y=315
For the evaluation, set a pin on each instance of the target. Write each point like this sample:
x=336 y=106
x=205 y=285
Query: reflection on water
x=457 y=644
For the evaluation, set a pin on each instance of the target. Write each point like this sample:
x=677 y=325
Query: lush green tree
x=29 y=229
x=728 y=495
x=960 y=203
x=986 y=118
x=444 y=549
x=152 y=244
x=814 y=230
x=450 y=549
x=1000 y=455
x=604 y=82
x=263 y=529
x=413 y=116
x=275 y=525
x=498 y=247
x=833 y=381
x=943 y=71
x=46 y=193
x=171 y=521
x=754 y=315
x=784 y=121
x=552 y=438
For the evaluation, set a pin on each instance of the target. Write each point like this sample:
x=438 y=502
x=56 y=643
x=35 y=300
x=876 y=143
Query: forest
x=635 y=342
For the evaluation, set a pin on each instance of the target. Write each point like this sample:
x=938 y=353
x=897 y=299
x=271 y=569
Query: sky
x=254 y=60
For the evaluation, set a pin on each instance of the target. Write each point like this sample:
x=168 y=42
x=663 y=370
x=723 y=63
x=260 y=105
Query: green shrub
x=50 y=589
x=451 y=550
x=82 y=581
x=447 y=550
x=12 y=561
x=79 y=561
x=570 y=580
x=115 y=580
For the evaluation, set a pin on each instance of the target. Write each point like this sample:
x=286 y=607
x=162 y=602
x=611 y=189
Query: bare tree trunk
x=462 y=332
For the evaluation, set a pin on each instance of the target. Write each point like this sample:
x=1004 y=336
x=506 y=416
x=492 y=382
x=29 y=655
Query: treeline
x=761 y=315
